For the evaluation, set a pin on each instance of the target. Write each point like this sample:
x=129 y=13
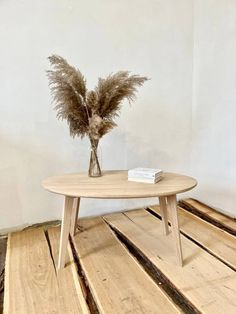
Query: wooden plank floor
x=204 y=280
x=31 y=283
x=209 y=214
x=117 y=281
x=70 y=291
x=215 y=240
x=121 y=263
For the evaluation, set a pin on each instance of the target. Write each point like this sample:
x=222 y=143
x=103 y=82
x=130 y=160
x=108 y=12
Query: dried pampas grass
x=93 y=112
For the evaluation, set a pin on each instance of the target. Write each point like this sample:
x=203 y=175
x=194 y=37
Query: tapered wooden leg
x=175 y=227
x=65 y=229
x=74 y=215
x=164 y=215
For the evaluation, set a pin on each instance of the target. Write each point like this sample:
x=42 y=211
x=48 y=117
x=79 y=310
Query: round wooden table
x=115 y=185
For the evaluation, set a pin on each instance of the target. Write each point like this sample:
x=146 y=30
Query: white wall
x=213 y=159
x=152 y=38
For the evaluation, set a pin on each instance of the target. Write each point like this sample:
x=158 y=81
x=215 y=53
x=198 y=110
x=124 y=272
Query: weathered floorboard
x=118 y=283
x=210 y=214
x=205 y=281
x=30 y=281
x=213 y=239
x=3 y=245
x=70 y=292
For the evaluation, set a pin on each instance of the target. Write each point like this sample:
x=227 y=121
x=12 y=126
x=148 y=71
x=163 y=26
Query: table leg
x=74 y=215
x=175 y=226
x=65 y=229
x=164 y=214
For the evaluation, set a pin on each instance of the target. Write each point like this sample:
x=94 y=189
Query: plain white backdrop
x=182 y=120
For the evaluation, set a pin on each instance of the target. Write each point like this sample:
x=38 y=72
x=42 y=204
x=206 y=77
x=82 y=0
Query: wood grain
x=70 y=292
x=205 y=281
x=215 y=240
x=3 y=246
x=114 y=184
x=117 y=282
x=30 y=281
x=208 y=212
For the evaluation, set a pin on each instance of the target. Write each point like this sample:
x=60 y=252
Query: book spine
x=141 y=181
x=153 y=181
x=143 y=175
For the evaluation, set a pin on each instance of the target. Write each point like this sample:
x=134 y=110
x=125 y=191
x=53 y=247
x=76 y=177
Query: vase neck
x=94 y=143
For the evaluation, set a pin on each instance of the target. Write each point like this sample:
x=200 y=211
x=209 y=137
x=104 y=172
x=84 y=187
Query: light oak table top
x=115 y=185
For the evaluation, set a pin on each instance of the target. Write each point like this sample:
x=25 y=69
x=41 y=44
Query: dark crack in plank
x=210 y=215
x=3 y=247
x=204 y=281
x=210 y=238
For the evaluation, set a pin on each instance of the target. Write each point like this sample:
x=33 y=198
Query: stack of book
x=146 y=175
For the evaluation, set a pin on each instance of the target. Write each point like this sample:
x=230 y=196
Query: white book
x=145 y=180
x=144 y=172
x=144 y=175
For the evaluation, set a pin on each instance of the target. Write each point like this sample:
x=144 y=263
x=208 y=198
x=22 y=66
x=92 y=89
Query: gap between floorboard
x=84 y=282
x=155 y=214
x=190 y=208
x=155 y=273
x=50 y=250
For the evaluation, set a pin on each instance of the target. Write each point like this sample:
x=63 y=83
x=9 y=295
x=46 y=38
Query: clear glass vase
x=94 y=166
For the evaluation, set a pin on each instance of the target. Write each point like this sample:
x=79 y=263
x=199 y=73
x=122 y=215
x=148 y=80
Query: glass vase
x=94 y=166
